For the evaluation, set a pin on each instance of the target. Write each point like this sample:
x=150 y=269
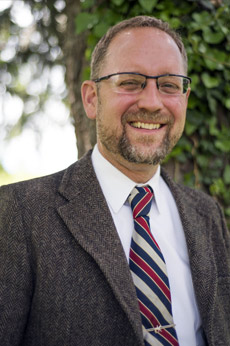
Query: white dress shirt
x=167 y=229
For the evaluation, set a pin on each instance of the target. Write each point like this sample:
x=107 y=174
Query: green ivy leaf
x=100 y=29
x=213 y=37
x=190 y=128
x=85 y=21
x=202 y=160
x=213 y=126
x=217 y=187
x=213 y=65
x=223 y=145
x=204 y=18
x=227 y=103
x=212 y=103
x=209 y=81
x=86 y=4
x=227 y=174
x=148 y=5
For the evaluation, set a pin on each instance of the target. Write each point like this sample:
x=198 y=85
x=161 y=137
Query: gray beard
x=131 y=153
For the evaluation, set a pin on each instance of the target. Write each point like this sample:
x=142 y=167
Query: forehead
x=145 y=50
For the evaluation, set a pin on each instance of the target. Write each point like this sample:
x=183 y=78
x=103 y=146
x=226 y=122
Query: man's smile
x=143 y=125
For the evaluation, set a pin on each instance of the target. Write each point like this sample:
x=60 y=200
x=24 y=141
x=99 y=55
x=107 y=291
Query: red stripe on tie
x=169 y=337
x=140 y=205
x=143 y=223
x=148 y=314
x=155 y=323
x=151 y=273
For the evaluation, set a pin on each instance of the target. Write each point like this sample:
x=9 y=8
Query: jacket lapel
x=88 y=218
x=195 y=223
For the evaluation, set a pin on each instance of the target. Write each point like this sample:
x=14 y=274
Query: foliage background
x=202 y=157
x=69 y=30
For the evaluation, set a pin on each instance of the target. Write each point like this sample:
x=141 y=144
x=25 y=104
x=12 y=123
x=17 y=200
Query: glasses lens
x=127 y=83
x=173 y=85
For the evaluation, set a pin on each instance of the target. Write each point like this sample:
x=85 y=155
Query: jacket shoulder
x=44 y=187
x=191 y=196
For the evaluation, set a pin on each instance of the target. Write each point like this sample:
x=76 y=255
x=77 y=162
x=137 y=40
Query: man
x=65 y=238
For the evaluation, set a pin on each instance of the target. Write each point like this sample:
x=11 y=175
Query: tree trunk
x=74 y=51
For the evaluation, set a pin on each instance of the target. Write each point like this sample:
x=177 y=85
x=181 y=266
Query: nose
x=150 y=98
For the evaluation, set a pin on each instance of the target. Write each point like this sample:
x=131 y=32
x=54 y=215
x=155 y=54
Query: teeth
x=147 y=126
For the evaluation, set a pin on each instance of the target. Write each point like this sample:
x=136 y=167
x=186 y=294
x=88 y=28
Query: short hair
x=100 y=50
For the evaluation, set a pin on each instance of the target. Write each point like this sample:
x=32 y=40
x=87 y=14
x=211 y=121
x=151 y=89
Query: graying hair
x=100 y=51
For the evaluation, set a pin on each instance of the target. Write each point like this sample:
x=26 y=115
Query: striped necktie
x=149 y=274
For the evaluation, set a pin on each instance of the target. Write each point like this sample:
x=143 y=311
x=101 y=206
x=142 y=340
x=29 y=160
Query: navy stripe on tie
x=144 y=299
x=144 y=234
x=138 y=271
x=150 y=262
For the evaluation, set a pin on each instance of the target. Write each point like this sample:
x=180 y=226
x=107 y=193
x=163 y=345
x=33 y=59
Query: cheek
x=117 y=103
x=177 y=107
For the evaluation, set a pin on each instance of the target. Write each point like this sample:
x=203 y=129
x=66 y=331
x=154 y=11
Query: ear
x=188 y=93
x=186 y=97
x=89 y=98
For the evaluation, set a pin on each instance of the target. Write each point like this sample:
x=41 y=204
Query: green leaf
x=213 y=126
x=202 y=47
x=209 y=81
x=85 y=21
x=86 y=73
x=86 y=4
x=213 y=37
x=213 y=65
x=148 y=5
x=212 y=103
x=190 y=128
x=203 y=18
x=100 y=29
x=202 y=160
x=175 y=23
x=217 y=187
x=111 y=17
x=227 y=103
x=227 y=174
x=223 y=145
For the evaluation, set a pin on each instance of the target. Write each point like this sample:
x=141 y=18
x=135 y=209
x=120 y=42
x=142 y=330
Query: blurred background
x=37 y=135
x=45 y=50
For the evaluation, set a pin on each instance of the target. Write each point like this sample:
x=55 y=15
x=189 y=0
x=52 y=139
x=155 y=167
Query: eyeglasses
x=134 y=83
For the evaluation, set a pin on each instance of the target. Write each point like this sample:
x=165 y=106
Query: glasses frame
x=98 y=80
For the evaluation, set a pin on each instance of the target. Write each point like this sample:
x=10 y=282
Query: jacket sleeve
x=15 y=270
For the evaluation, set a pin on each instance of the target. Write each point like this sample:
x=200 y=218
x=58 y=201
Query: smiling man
x=139 y=118
x=111 y=251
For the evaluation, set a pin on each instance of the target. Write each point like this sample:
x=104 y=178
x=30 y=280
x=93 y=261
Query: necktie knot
x=140 y=200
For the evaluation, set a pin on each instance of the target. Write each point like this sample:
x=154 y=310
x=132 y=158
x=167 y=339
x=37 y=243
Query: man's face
x=141 y=128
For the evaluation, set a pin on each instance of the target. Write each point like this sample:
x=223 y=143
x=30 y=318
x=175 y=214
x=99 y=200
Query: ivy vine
x=203 y=153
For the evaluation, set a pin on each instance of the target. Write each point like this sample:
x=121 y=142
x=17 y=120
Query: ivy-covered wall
x=202 y=157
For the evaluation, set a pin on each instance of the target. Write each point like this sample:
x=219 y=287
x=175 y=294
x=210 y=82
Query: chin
x=144 y=156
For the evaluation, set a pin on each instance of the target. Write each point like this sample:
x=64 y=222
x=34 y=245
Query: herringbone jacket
x=64 y=277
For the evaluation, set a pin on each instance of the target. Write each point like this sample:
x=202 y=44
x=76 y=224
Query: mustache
x=146 y=116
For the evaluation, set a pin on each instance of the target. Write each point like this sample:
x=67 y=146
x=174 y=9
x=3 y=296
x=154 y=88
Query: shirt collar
x=116 y=186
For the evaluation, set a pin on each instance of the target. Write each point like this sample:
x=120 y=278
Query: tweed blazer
x=64 y=277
